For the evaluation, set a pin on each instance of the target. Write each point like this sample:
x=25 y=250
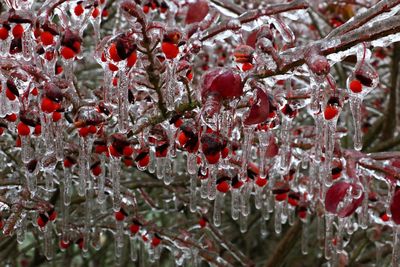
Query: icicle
x=285 y=147
x=152 y=165
x=259 y=190
x=263 y=228
x=264 y=210
x=248 y=138
x=123 y=105
x=48 y=242
x=245 y=199
x=101 y=197
x=160 y=167
x=83 y=167
x=193 y=187
x=218 y=205
x=263 y=138
x=204 y=188
x=26 y=150
x=67 y=189
x=192 y=163
x=212 y=181
x=304 y=237
x=243 y=223
x=235 y=203
x=168 y=176
x=115 y=177
x=64 y=210
x=133 y=250
x=278 y=217
x=291 y=215
x=328 y=236
x=355 y=107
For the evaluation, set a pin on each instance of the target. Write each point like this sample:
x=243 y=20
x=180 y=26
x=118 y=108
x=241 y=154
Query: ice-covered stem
x=285 y=245
x=134 y=10
x=362 y=18
x=252 y=15
x=296 y=57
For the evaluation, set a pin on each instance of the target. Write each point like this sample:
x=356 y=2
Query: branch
x=255 y=14
x=295 y=57
x=362 y=18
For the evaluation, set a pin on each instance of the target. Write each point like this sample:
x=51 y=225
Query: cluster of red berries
x=44 y=218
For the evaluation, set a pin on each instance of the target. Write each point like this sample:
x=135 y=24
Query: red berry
x=134 y=228
x=384 y=217
x=170 y=50
x=23 y=129
x=52 y=215
x=59 y=69
x=95 y=12
x=78 y=10
x=155 y=241
x=281 y=197
x=128 y=151
x=67 y=52
x=144 y=161
x=64 y=245
x=182 y=138
x=213 y=159
x=92 y=129
x=1 y=130
x=223 y=187
x=47 y=38
x=42 y=220
x=104 y=13
x=355 y=86
x=146 y=9
x=330 y=112
x=247 y=66
x=114 y=53
x=261 y=182
x=128 y=162
x=10 y=95
x=47 y=105
x=77 y=46
x=100 y=149
x=84 y=131
x=224 y=152
x=11 y=117
x=3 y=33
x=202 y=222
x=119 y=216
x=68 y=163
x=112 y=67
x=293 y=202
x=302 y=214
x=114 y=152
x=34 y=91
x=132 y=59
x=18 y=31
x=178 y=123
x=96 y=170
x=38 y=129
x=56 y=116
